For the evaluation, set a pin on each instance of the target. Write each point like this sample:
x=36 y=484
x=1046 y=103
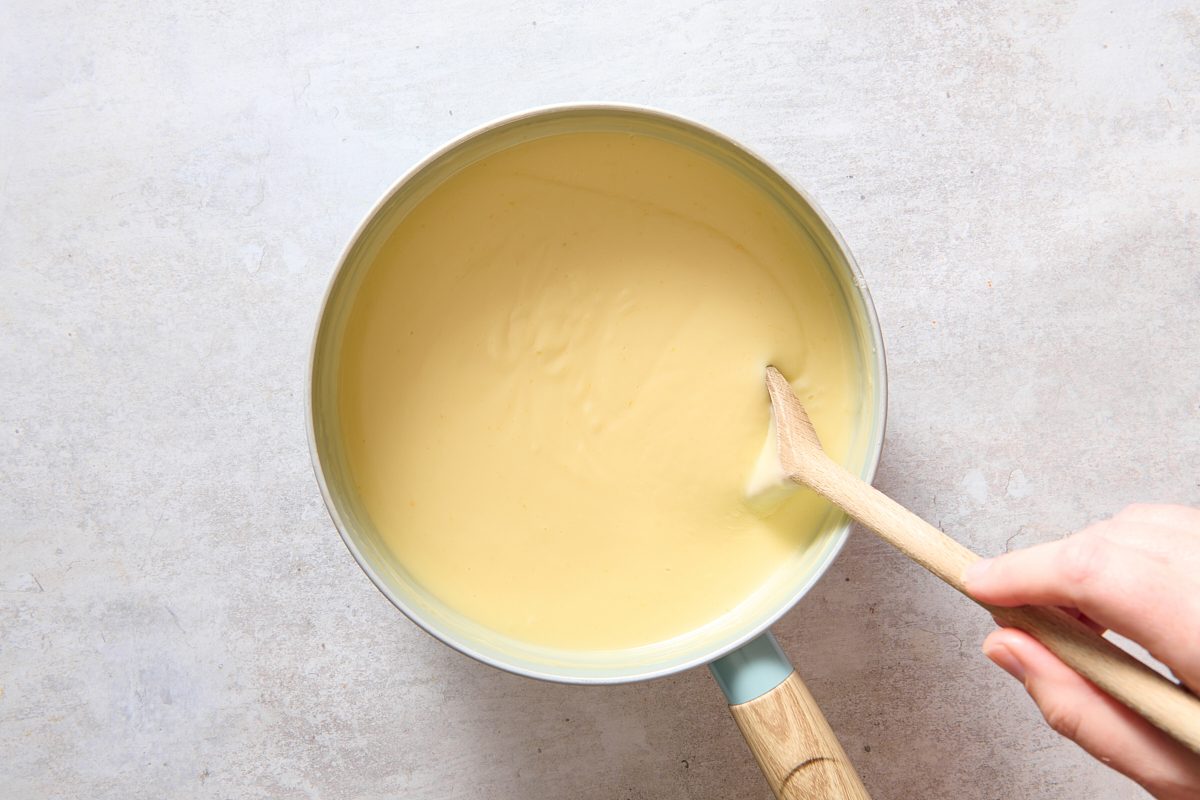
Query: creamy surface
x=552 y=389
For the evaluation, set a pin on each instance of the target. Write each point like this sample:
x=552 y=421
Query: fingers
x=1138 y=574
x=1116 y=586
x=1099 y=724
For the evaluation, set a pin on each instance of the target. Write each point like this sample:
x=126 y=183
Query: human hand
x=1137 y=574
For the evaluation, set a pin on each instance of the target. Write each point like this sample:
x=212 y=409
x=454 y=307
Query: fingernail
x=1005 y=660
x=977 y=570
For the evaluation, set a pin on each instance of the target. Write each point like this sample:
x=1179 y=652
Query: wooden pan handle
x=1164 y=703
x=795 y=747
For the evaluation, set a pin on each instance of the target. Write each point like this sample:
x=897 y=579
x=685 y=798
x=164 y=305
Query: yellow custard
x=551 y=388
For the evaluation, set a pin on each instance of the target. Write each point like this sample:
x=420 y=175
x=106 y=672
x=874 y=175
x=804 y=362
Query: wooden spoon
x=1167 y=705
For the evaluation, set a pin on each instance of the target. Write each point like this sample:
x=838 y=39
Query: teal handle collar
x=752 y=670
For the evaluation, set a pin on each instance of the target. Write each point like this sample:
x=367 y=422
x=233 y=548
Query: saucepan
x=791 y=740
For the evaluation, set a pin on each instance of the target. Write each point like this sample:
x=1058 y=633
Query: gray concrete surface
x=1021 y=184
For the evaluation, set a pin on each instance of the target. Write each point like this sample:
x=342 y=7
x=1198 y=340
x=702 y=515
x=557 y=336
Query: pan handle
x=793 y=744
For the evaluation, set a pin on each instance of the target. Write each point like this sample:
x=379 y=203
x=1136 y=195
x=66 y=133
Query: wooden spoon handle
x=797 y=750
x=1164 y=703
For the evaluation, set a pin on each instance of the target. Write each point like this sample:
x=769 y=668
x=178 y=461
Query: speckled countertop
x=1020 y=183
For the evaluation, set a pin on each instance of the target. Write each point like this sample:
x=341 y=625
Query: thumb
x=1096 y=722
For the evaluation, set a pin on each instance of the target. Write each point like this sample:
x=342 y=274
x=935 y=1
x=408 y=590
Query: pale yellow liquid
x=552 y=389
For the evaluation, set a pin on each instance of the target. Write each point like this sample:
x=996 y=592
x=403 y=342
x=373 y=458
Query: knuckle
x=1109 y=529
x=1135 y=511
x=1084 y=558
x=1065 y=720
x=1138 y=512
